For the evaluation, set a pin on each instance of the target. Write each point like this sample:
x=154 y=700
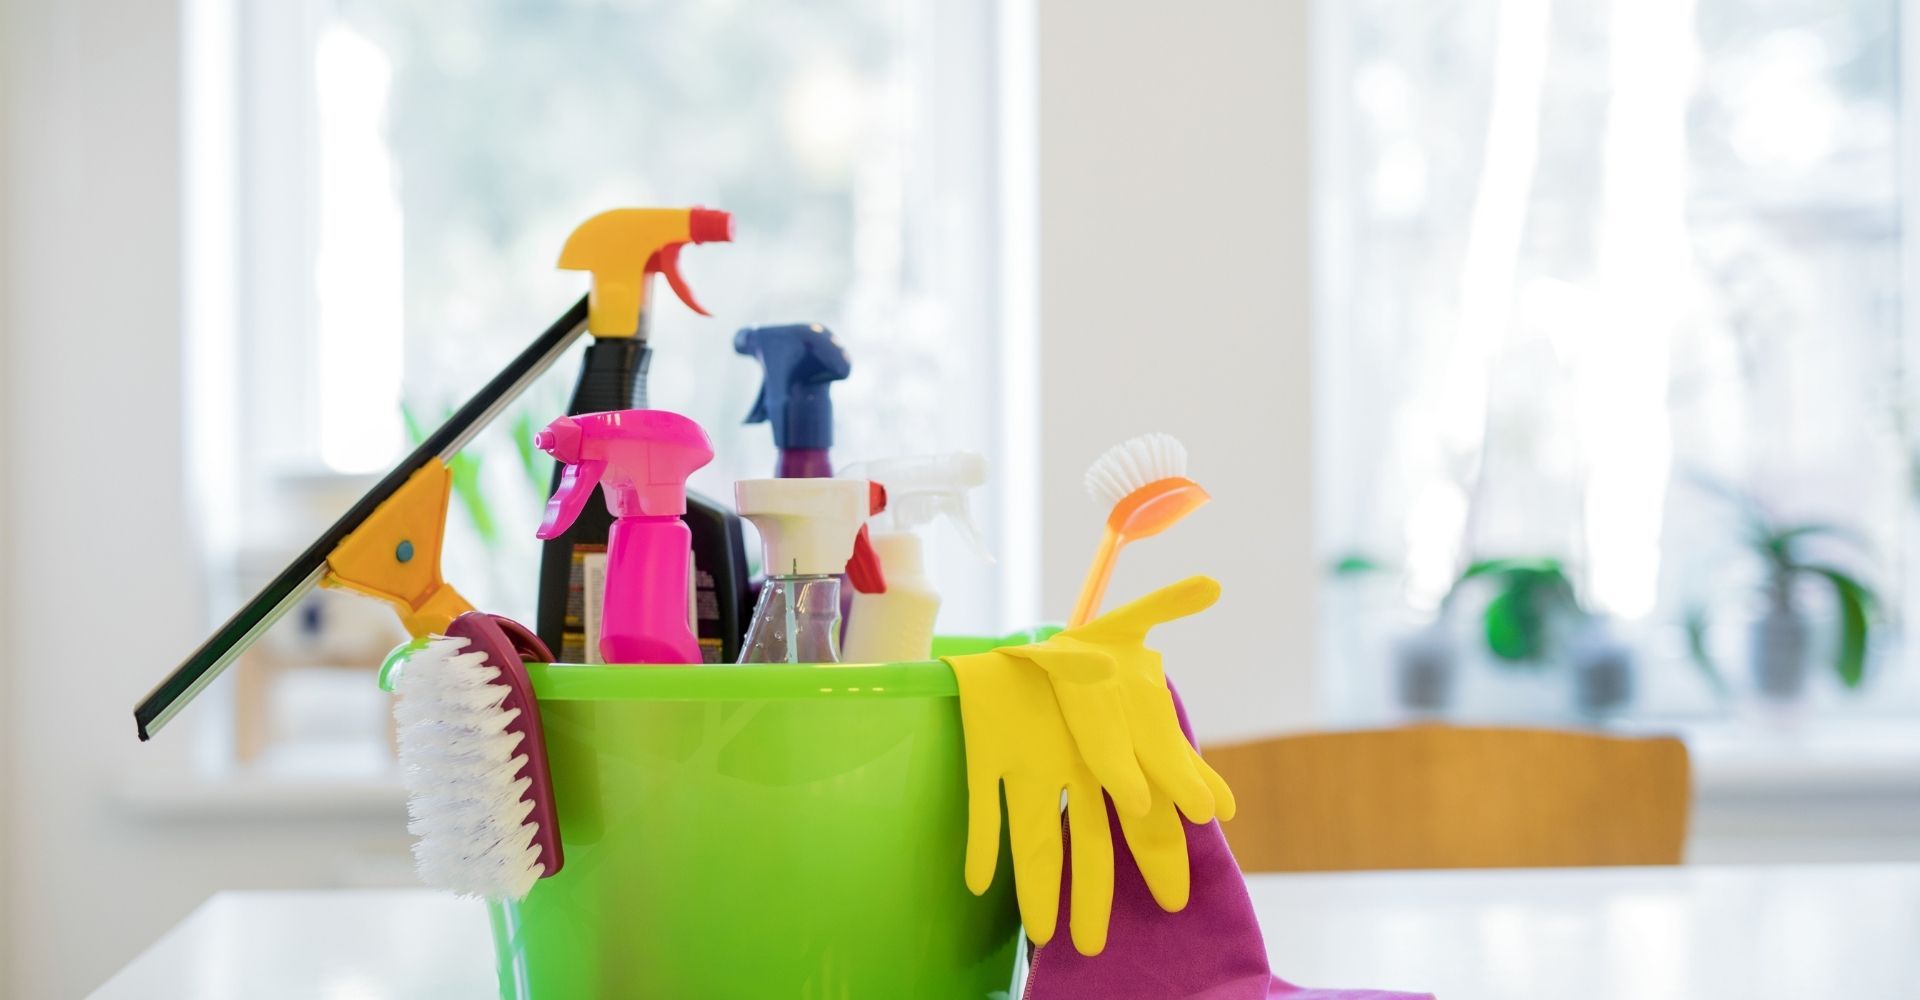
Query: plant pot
x=1780 y=641
x=1602 y=672
x=1424 y=668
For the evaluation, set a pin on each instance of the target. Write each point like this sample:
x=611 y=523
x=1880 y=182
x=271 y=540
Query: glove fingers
x=1224 y=805
x=1176 y=600
x=1095 y=712
x=1033 y=821
x=1067 y=662
x=1166 y=755
x=1174 y=775
x=1159 y=844
x=1133 y=619
x=983 y=830
x=1092 y=844
x=1098 y=720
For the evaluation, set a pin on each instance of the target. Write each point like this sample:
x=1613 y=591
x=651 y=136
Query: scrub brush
x=1145 y=481
x=479 y=794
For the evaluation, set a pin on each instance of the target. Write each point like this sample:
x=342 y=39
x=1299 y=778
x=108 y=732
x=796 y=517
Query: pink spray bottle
x=641 y=460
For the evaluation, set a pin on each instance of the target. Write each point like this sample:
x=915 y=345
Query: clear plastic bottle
x=807 y=527
x=796 y=621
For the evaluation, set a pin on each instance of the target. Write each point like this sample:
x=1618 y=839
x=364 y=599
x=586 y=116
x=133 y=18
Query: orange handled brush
x=1145 y=481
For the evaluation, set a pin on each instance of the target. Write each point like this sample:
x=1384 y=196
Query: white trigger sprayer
x=897 y=626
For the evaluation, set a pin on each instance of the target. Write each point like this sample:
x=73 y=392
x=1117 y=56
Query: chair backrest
x=1452 y=797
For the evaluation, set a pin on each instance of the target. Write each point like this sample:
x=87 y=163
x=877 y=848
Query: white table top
x=1648 y=933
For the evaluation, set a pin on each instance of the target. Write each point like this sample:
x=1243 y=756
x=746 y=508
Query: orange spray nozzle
x=623 y=247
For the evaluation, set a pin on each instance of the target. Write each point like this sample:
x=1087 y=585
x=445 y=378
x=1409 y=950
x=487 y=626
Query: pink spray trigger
x=576 y=488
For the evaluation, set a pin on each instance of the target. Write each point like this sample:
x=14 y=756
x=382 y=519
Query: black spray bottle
x=624 y=249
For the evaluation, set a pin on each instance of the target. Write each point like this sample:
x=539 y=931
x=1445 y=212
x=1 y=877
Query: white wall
x=1173 y=238
x=100 y=564
x=8 y=804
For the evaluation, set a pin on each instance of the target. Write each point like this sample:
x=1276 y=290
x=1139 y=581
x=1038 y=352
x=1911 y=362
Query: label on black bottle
x=706 y=615
x=574 y=642
x=593 y=576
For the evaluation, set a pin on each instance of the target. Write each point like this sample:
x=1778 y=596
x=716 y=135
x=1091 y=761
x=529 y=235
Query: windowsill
x=1850 y=758
x=253 y=795
x=1732 y=761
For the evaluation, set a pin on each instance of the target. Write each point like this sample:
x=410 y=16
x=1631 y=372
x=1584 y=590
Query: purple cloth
x=1212 y=950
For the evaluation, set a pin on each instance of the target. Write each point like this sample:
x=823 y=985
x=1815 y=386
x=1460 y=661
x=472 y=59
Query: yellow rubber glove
x=1016 y=736
x=1148 y=724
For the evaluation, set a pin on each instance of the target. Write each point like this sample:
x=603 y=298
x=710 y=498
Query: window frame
x=256 y=302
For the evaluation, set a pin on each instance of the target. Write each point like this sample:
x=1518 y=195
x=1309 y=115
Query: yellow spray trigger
x=620 y=248
x=394 y=554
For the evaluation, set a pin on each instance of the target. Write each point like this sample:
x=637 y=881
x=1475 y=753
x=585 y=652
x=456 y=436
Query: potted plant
x=1526 y=620
x=1781 y=652
x=1535 y=619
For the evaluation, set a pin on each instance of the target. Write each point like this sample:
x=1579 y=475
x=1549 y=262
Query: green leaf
x=415 y=433
x=464 y=471
x=465 y=468
x=1513 y=631
x=1491 y=567
x=1856 y=602
x=1697 y=652
x=1779 y=545
x=1355 y=564
x=533 y=461
x=1520 y=618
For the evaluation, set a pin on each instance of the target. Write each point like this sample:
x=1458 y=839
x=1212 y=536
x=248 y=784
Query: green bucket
x=758 y=832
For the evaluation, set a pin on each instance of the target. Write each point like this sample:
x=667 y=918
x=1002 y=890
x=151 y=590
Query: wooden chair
x=1450 y=797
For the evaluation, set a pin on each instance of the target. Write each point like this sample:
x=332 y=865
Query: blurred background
x=1549 y=361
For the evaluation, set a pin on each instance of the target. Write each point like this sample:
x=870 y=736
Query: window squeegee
x=387 y=545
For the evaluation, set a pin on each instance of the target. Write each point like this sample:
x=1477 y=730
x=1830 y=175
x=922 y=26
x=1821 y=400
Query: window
x=406 y=179
x=1600 y=281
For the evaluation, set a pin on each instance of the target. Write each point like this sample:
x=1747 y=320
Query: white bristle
x=1132 y=464
x=466 y=807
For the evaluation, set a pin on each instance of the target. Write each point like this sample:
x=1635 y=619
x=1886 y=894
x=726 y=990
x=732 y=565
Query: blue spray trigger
x=799 y=364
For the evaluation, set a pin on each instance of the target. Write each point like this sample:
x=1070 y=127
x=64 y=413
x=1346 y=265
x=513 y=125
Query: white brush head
x=1129 y=465
x=458 y=761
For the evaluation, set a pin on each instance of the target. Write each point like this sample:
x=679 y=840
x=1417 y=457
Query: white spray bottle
x=897 y=626
x=807 y=528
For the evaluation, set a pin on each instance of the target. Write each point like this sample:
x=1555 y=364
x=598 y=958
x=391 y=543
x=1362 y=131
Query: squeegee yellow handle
x=1094 y=587
x=394 y=554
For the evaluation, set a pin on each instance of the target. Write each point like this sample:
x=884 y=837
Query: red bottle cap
x=709 y=225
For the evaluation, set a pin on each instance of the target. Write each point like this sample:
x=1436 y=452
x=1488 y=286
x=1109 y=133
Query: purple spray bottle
x=641 y=460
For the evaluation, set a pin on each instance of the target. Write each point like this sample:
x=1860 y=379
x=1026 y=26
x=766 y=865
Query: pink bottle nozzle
x=639 y=458
x=561 y=439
